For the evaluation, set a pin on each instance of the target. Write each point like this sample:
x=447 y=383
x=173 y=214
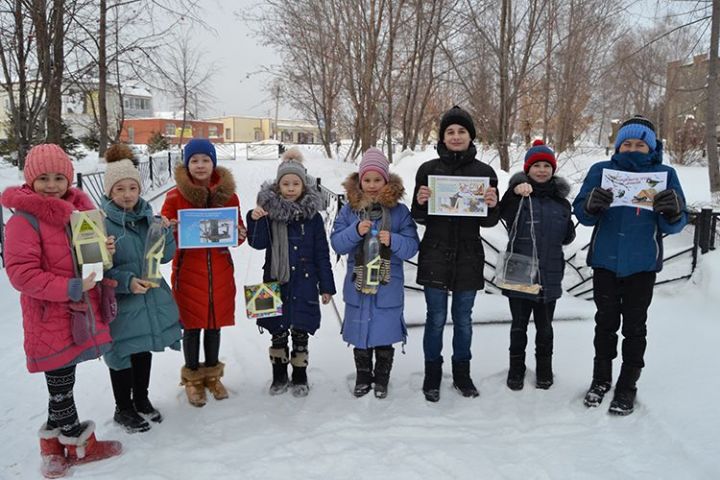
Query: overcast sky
x=237 y=87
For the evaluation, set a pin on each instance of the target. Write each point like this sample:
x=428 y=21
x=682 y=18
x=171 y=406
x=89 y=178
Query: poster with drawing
x=458 y=196
x=208 y=227
x=633 y=189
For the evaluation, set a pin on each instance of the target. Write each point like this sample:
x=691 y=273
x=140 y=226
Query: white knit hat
x=120 y=166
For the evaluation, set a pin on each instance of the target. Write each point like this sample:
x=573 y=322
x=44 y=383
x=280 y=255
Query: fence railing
x=704 y=222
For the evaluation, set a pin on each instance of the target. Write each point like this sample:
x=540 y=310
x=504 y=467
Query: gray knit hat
x=120 y=166
x=292 y=162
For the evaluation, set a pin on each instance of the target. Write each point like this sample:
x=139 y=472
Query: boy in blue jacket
x=626 y=252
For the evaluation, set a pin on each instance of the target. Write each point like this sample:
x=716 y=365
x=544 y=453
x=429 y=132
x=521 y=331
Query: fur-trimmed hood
x=388 y=197
x=222 y=187
x=283 y=210
x=562 y=187
x=54 y=211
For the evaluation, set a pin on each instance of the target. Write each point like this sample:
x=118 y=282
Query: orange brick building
x=139 y=130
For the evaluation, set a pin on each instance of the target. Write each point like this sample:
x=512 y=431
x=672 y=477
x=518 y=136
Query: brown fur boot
x=194 y=382
x=213 y=383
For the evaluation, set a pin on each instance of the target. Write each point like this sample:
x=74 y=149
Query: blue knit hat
x=199 y=145
x=637 y=127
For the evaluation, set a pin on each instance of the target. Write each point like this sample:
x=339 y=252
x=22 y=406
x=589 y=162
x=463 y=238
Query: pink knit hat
x=47 y=158
x=374 y=160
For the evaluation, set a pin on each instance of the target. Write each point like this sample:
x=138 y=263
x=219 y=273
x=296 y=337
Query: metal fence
x=704 y=223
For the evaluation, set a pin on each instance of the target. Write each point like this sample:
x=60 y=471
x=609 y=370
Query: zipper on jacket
x=211 y=307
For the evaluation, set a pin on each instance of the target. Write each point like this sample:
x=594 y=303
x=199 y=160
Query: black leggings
x=191 y=347
x=61 y=406
x=131 y=384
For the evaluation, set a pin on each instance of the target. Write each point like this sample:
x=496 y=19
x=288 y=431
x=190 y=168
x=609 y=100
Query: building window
x=169 y=129
x=131 y=134
x=212 y=131
x=258 y=135
x=286 y=136
x=228 y=134
x=136 y=103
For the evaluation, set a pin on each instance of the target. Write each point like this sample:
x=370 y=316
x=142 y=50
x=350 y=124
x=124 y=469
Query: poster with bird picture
x=633 y=189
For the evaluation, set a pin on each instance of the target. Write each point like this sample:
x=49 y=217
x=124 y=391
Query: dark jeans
x=622 y=300
x=461 y=311
x=521 y=309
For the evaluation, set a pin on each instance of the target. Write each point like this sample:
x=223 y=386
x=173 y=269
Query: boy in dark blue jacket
x=626 y=252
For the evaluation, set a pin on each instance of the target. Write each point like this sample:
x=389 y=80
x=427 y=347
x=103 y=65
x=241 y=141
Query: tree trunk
x=102 y=80
x=56 y=68
x=712 y=99
x=503 y=123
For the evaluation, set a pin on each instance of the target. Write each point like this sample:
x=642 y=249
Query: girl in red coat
x=203 y=278
x=63 y=322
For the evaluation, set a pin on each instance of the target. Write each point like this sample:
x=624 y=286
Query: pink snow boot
x=86 y=448
x=54 y=462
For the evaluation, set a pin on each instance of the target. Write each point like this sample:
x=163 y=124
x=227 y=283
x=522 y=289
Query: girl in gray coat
x=148 y=318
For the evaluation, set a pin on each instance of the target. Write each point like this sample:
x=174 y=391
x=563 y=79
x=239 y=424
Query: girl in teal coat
x=148 y=318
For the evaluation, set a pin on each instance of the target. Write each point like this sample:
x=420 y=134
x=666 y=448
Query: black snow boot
x=145 y=408
x=363 y=367
x=462 y=381
x=623 y=402
x=431 y=383
x=601 y=383
x=543 y=372
x=279 y=360
x=516 y=372
x=383 y=364
x=130 y=420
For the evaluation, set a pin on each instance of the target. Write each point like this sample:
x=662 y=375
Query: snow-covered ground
x=531 y=434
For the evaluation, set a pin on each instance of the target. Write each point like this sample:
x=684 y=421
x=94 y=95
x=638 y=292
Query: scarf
x=279 y=257
x=373 y=212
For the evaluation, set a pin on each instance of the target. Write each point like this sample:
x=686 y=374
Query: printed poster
x=458 y=196
x=208 y=227
x=633 y=189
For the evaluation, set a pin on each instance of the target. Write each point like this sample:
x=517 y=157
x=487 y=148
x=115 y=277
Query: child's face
x=540 y=172
x=634 y=145
x=291 y=187
x=456 y=138
x=125 y=194
x=372 y=182
x=51 y=184
x=200 y=167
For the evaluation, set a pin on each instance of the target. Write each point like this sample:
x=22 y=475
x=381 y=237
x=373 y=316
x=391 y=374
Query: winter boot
x=462 y=381
x=86 y=448
x=194 y=382
x=213 y=383
x=363 y=366
x=543 y=371
x=601 y=383
x=279 y=361
x=130 y=420
x=299 y=362
x=146 y=409
x=623 y=402
x=431 y=382
x=54 y=462
x=383 y=365
x=516 y=372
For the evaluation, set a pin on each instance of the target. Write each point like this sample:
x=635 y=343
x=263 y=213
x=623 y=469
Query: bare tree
x=711 y=138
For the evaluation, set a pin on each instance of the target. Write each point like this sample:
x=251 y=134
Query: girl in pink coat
x=63 y=322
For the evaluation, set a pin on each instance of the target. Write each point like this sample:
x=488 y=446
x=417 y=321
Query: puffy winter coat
x=554 y=228
x=40 y=263
x=451 y=252
x=627 y=240
x=375 y=320
x=145 y=322
x=308 y=255
x=203 y=278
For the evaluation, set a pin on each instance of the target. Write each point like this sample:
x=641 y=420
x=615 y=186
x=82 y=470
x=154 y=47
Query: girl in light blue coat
x=373 y=291
x=148 y=318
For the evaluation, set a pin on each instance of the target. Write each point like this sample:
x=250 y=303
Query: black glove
x=598 y=201
x=669 y=204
